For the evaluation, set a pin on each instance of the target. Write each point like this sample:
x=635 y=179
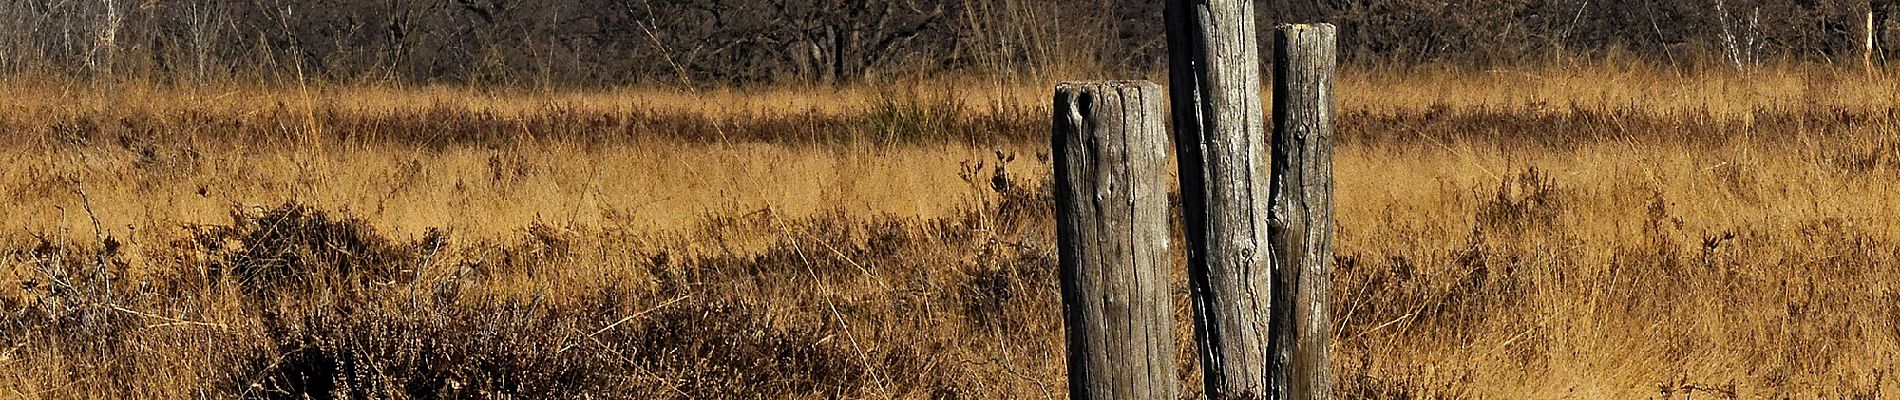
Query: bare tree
x=1741 y=45
x=843 y=40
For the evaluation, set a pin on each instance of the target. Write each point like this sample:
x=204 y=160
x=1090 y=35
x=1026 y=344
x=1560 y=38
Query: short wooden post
x=1220 y=136
x=1112 y=229
x=1302 y=227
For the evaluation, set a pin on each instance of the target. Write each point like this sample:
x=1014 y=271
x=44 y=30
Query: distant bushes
x=725 y=42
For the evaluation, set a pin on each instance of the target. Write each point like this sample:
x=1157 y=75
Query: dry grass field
x=1582 y=232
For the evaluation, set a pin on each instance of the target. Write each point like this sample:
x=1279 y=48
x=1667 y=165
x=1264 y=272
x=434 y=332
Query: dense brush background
x=565 y=43
x=829 y=199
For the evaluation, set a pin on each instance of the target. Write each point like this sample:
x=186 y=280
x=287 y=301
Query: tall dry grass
x=1560 y=233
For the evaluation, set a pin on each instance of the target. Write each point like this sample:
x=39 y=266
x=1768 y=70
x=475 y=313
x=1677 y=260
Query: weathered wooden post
x=1111 y=153
x=1302 y=218
x=1220 y=139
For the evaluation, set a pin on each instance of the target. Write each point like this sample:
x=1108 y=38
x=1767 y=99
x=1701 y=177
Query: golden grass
x=1553 y=233
x=490 y=193
x=1599 y=84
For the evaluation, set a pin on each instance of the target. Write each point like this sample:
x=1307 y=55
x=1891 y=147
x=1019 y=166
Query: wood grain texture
x=1111 y=150
x=1302 y=215
x=1220 y=139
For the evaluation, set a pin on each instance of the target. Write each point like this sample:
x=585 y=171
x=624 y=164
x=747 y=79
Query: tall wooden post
x=1302 y=227
x=1220 y=137
x=1111 y=154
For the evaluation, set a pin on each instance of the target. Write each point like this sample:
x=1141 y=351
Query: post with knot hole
x=1111 y=150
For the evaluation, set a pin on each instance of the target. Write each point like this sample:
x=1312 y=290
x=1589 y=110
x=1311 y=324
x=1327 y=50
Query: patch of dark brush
x=1018 y=209
x=1487 y=285
x=383 y=351
x=295 y=247
x=66 y=287
x=1525 y=202
x=1661 y=262
x=497 y=348
x=725 y=349
x=541 y=246
x=1012 y=266
x=999 y=292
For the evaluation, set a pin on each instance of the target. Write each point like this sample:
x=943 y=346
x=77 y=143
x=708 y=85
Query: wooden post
x=1111 y=154
x=1302 y=227
x=1220 y=139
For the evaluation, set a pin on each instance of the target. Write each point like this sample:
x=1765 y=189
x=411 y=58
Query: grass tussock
x=1617 y=247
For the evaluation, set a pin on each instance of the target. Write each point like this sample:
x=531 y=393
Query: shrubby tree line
x=726 y=42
